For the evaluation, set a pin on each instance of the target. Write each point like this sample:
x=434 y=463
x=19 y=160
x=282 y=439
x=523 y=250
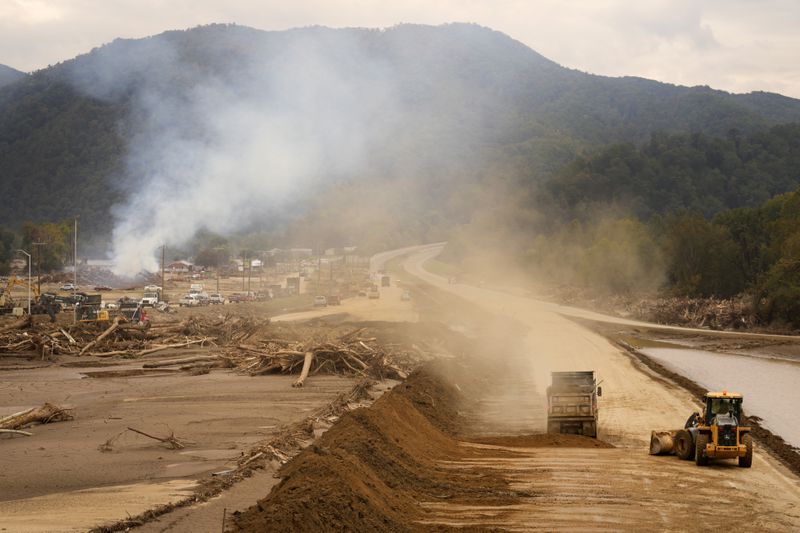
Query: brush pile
x=711 y=313
x=245 y=344
x=125 y=339
x=349 y=354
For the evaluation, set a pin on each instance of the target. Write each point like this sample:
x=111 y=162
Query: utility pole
x=218 y=249
x=29 y=279
x=163 y=253
x=244 y=262
x=38 y=265
x=75 y=271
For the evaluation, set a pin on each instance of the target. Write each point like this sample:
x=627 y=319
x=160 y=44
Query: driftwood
x=171 y=442
x=183 y=361
x=168 y=346
x=309 y=356
x=45 y=414
x=19 y=324
x=114 y=325
x=16 y=432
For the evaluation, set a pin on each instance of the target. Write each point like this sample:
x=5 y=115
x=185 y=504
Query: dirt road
x=629 y=488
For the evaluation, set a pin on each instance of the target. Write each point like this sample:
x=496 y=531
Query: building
x=180 y=267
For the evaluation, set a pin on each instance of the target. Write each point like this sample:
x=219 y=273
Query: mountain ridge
x=469 y=99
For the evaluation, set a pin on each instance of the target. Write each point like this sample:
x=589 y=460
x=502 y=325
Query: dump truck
x=572 y=403
x=717 y=433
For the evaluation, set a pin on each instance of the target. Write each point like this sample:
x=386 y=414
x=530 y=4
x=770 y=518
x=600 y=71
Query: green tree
x=702 y=258
x=48 y=243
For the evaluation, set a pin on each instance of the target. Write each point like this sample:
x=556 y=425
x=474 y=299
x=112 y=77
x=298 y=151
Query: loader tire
x=700 y=457
x=684 y=445
x=746 y=461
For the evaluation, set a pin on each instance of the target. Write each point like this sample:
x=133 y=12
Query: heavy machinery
x=572 y=403
x=716 y=434
x=41 y=304
x=90 y=309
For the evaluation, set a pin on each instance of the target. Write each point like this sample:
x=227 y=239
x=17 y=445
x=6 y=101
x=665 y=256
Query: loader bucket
x=662 y=442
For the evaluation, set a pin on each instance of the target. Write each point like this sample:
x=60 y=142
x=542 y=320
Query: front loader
x=716 y=434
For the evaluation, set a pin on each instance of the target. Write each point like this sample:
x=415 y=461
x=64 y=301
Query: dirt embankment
x=372 y=469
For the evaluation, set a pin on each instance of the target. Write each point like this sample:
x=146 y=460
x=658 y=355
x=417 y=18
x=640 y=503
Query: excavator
x=41 y=304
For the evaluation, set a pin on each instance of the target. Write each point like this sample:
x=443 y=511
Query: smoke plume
x=218 y=146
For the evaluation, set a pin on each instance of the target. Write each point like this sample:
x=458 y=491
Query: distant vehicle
x=385 y=281
x=236 y=298
x=152 y=288
x=363 y=294
x=406 y=296
x=374 y=293
x=216 y=298
x=151 y=298
x=195 y=288
x=334 y=299
x=189 y=300
x=204 y=298
x=103 y=288
x=320 y=301
x=69 y=287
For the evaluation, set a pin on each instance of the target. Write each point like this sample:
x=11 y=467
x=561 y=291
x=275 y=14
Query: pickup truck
x=189 y=300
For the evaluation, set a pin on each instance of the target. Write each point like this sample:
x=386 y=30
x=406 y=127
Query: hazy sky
x=736 y=45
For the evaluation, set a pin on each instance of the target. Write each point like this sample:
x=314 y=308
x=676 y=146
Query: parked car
x=216 y=298
x=152 y=288
x=69 y=287
x=334 y=299
x=189 y=300
x=320 y=301
x=204 y=298
x=103 y=288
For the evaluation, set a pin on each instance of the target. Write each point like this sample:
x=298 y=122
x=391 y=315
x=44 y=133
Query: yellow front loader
x=716 y=434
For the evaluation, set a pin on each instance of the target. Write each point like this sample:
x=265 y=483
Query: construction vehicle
x=373 y=293
x=716 y=434
x=385 y=281
x=41 y=304
x=572 y=403
x=90 y=310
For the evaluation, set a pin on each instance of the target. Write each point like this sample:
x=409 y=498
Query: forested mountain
x=683 y=172
x=468 y=105
x=9 y=75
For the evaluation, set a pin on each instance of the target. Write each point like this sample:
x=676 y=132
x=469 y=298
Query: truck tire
x=589 y=429
x=746 y=461
x=684 y=445
x=700 y=457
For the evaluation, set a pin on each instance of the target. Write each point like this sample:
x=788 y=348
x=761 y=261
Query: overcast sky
x=735 y=45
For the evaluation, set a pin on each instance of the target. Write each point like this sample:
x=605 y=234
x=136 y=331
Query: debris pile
x=125 y=339
x=349 y=354
x=47 y=413
x=711 y=313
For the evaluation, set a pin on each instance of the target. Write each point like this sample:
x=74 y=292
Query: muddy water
x=770 y=386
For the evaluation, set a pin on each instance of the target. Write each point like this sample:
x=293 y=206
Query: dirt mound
x=370 y=471
x=545 y=440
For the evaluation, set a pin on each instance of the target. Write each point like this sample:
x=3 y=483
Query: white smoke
x=220 y=150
